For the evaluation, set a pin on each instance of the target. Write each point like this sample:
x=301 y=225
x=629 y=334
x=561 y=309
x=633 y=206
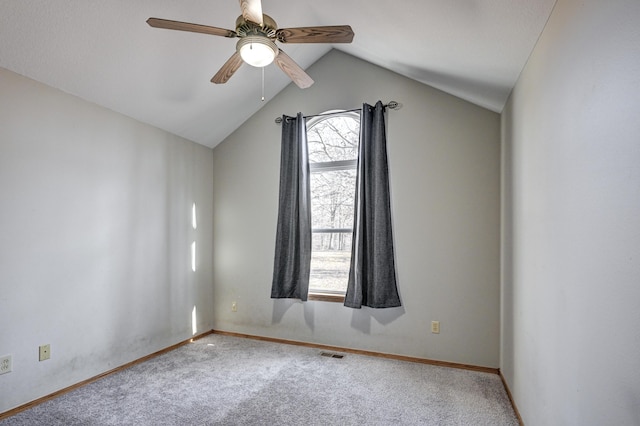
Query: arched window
x=333 y=156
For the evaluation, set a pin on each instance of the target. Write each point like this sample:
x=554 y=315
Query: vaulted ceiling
x=104 y=52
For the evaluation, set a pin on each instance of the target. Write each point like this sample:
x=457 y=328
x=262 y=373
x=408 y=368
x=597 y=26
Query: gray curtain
x=372 y=274
x=292 y=261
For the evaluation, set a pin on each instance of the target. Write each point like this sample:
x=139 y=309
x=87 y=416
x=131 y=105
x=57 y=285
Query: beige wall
x=95 y=217
x=571 y=216
x=445 y=172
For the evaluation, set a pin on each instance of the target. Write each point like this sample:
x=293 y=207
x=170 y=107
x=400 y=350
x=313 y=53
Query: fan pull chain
x=262 y=84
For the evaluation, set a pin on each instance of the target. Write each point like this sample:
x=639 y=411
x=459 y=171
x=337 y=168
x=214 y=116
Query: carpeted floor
x=222 y=380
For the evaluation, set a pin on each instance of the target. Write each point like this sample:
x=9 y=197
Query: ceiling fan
x=257 y=35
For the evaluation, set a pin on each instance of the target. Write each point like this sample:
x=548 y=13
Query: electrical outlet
x=5 y=364
x=435 y=327
x=45 y=352
x=234 y=306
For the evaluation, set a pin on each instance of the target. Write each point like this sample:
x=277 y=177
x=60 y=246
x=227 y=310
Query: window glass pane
x=333 y=152
x=330 y=259
x=332 y=199
x=334 y=139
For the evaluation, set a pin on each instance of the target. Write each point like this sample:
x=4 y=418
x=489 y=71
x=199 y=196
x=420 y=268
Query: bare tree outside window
x=333 y=154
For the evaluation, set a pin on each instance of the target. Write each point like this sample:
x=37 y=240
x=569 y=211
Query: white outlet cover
x=45 y=352
x=5 y=364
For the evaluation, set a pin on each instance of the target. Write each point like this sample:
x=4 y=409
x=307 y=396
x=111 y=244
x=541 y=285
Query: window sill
x=324 y=297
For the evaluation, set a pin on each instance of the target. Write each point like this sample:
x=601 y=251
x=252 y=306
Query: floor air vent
x=331 y=355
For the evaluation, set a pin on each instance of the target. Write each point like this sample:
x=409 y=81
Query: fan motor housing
x=247 y=28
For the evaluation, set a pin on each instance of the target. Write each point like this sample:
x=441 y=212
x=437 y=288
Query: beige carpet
x=222 y=380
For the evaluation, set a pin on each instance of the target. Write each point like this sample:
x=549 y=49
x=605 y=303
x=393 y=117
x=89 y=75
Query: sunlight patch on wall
x=194 y=320
x=194 y=223
x=193 y=256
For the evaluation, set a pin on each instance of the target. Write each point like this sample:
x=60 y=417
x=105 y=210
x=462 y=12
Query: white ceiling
x=104 y=52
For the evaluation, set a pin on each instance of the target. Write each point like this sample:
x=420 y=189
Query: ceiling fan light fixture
x=257 y=51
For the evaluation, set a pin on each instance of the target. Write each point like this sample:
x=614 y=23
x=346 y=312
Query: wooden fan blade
x=330 y=34
x=252 y=11
x=228 y=69
x=293 y=70
x=186 y=26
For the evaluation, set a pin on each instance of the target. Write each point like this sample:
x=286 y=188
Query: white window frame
x=319 y=294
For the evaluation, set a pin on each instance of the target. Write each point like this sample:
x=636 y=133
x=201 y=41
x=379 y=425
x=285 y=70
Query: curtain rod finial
x=393 y=105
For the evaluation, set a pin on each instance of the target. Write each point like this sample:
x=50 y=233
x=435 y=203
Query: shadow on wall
x=473 y=90
x=360 y=318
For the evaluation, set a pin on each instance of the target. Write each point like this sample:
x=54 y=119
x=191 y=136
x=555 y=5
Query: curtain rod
x=390 y=105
